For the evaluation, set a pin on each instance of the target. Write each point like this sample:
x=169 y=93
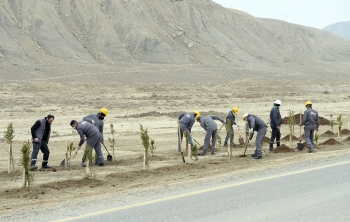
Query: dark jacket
x=41 y=130
x=98 y=123
x=275 y=117
x=231 y=116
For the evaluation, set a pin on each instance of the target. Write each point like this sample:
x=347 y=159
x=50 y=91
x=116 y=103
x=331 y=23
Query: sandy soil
x=155 y=106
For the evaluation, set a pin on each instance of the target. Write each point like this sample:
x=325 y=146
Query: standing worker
x=97 y=120
x=311 y=123
x=208 y=123
x=93 y=138
x=275 y=123
x=41 y=131
x=186 y=121
x=256 y=124
x=231 y=116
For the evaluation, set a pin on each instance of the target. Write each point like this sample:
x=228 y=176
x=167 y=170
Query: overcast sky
x=314 y=13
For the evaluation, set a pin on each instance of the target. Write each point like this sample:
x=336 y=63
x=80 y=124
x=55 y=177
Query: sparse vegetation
x=316 y=138
x=70 y=149
x=112 y=140
x=146 y=145
x=194 y=153
x=291 y=123
x=152 y=147
x=331 y=122
x=8 y=138
x=340 y=124
x=88 y=160
x=28 y=178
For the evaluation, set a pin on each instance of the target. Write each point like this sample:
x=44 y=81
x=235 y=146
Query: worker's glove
x=93 y=122
x=251 y=131
x=251 y=136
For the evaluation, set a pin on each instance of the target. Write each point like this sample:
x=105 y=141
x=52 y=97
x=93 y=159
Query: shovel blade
x=109 y=158
x=63 y=163
x=242 y=155
x=300 y=146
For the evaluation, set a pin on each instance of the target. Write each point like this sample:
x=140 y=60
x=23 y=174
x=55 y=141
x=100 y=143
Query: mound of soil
x=283 y=149
x=328 y=133
x=331 y=141
x=323 y=121
x=287 y=138
x=347 y=139
x=209 y=148
x=266 y=139
x=345 y=131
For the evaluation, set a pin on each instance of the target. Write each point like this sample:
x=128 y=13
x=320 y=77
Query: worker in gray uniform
x=208 y=123
x=96 y=119
x=256 y=124
x=186 y=121
x=231 y=117
x=93 y=138
x=275 y=123
x=311 y=123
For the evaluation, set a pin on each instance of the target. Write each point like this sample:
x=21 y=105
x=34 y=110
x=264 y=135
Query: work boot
x=46 y=166
x=213 y=153
x=310 y=150
x=278 y=144
x=33 y=167
x=101 y=164
x=83 y=164
x=201 y=153
x=253 y=154
x=258 y=157
x=225 y=145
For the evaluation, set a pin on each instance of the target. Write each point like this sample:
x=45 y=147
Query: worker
x=275 y=123
x=41 y=131
x=208 y=123
x=231 y=117
x=186 y=121
x=97 y=120
x=256 y=124
x=311 y=123
x=93 y=138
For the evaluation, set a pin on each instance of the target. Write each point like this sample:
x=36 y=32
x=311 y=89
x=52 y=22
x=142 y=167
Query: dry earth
x=155 y=106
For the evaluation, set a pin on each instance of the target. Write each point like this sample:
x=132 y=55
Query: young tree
x=331 y=122
x=28 y=178
x=146 y=145
x=340 y=123
x=194 y=153
x=8 y=138
x=291 y=123
x=112 y=140
x=88 y=160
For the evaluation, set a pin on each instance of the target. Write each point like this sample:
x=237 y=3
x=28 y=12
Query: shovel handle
x=105 y=148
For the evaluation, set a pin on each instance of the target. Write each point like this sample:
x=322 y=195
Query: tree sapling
x=112 y=140
x=8 y=138
x=28 y=178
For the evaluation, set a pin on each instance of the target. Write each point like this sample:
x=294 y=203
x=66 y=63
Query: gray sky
x=314 y=13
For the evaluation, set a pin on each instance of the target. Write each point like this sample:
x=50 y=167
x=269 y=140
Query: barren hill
x=156 y=31
x=341 y=28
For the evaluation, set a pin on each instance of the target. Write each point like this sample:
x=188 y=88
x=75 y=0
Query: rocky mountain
x=156 y=31
x=341 y=28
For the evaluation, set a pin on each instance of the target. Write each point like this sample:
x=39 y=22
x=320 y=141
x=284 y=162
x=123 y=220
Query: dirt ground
x=155 y=106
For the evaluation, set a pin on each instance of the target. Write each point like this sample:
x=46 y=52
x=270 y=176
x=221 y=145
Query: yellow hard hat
x=308 y=103
x=235 y=110
x=197 y=117
x=104 y=111
x=245 y=115
x=197 y=113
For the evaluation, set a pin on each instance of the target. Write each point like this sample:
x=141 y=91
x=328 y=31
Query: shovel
x=300 y=145
x=196 y=142
x=246 y=146
x=109 y=156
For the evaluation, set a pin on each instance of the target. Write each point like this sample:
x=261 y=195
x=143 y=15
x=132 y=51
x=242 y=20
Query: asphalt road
x=319 y=193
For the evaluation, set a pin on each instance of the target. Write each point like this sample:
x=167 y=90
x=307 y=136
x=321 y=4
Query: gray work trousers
x=309 y=137
x=210 y=134
x=258 y=141
x=94 y=142
x=44 y=149
x=183 y=129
